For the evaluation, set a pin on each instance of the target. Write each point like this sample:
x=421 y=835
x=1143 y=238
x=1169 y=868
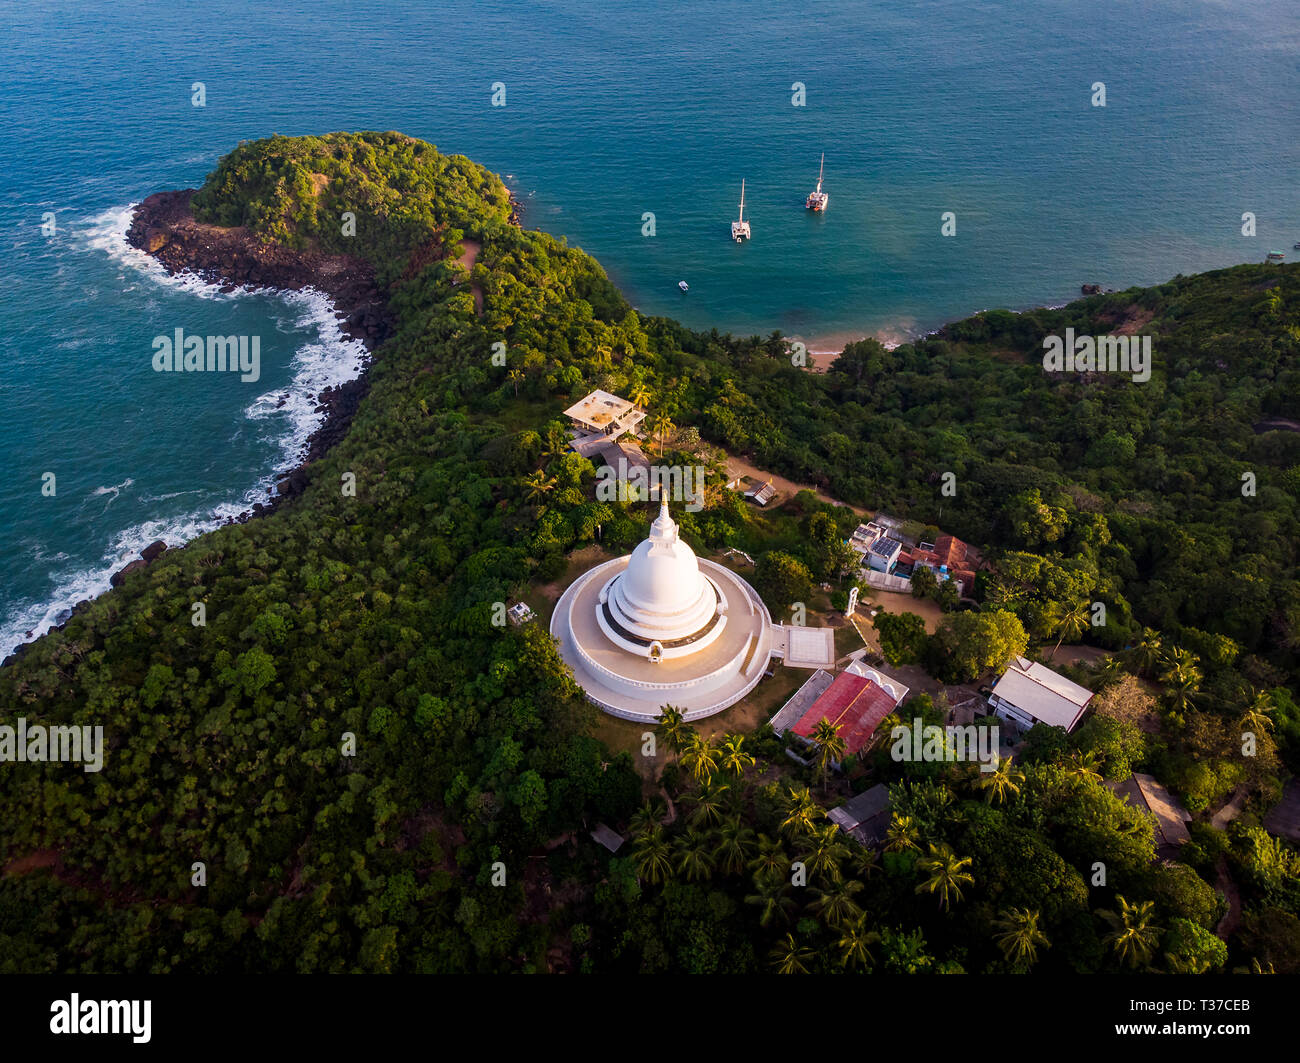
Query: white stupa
x=661 y=627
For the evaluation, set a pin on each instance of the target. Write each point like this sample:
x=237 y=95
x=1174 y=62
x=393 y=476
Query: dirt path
x=787 y=488
x=1224 y=884
x=1231 y=809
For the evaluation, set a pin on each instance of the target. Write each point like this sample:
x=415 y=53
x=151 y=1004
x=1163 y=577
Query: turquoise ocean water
x=983 y=109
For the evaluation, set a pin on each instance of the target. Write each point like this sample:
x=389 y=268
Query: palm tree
x=865 y=861
x=1182 y=679
x=1131 y=933
x=514 y=376
x=1110 y=670
x=693 y=858
x=1256 y=718
x=663 y=428
x=640 y=394
x=1083 y=767
x=770 y=857
x=538 y=485
x=708 y=804
x=830 y=747
x=801 y=812
x=789 y=957
x=647 y=817
x=855 y=943
x=734 y=843
x=772 y=899
x=734 y=759
x=902 y=835
x=947 y=873
x=700 y=758
x=1148 y=651
x=827 y=853
x=1071 y=622
x=1001 y=783
x=1019 y=937
x=651 y=853
x=835 y=904
x=672 y=727
x=557 y=443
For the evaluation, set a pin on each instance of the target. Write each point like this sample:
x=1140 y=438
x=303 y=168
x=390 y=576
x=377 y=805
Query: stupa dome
x=661 y=627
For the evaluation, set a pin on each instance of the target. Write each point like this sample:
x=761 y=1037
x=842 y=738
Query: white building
x=603 y=414
x=1030 y=693
x=661 y=627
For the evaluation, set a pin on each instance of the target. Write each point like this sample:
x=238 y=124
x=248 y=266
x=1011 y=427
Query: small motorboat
x=683 y=286
x=1296 y=246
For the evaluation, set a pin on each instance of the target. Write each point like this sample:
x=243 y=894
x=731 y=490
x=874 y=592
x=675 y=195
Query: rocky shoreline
x=164 y=227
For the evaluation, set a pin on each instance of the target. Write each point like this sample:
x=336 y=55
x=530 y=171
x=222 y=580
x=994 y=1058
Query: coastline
x=163 y=227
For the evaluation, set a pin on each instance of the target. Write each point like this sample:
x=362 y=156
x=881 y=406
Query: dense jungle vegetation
x=372 y=615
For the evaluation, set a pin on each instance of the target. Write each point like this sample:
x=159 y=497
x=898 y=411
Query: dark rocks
x=1091 y=289
x=165 y=226
x=119 y=577
x=153 y=551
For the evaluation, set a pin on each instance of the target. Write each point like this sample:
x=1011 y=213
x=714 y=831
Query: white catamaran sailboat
x=740 y=229
x=817 y=200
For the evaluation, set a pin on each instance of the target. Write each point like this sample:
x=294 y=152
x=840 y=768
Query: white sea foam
x=330 y=360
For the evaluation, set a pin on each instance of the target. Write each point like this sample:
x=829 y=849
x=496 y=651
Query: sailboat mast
x=821 y=171
x=742 y=199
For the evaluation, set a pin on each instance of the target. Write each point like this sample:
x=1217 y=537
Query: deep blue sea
x=612 y=110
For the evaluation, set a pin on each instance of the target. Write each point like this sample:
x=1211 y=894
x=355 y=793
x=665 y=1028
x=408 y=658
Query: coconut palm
x=556 y=443
x=647 y=817
x=902 y=835
x=1111 y=670
x=1182 y=681
x=801 y=812
x=1131 y=935
x=699 y=758
x=865 y=861
x=947 y=874
x=1147 y=652
x=735 y=841
x=828 y=852
x=709 y=804
x=1001 y=783
x=514 y=376
x=772 y=899
x=855 y=943
x=694 y=861
x=1071 y=623
x=1083 y=767
x=770 y=857
x=672 y=727
x=733 y=758
x=830 y=747
x=640 y=394
x=789 y=957
x=835 y=904
x=538 y=485
x=1019 y=937
x=1256 y=718
x=652 y=856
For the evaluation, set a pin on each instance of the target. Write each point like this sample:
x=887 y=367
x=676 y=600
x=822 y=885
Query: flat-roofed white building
x=1030 y=693
x=603 y=414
